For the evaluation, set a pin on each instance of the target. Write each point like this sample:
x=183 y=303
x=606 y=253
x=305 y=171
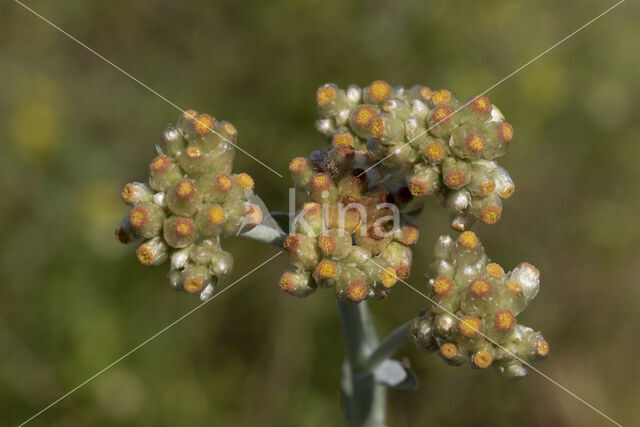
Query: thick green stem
x=364 y=400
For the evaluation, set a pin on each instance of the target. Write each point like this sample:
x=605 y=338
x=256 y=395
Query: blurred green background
x=74 y=131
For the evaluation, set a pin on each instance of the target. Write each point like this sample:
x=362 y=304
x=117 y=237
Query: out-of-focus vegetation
x=74 y=130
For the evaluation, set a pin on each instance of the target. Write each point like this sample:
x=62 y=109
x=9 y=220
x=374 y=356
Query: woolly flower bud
x=152 y=252
x=297 y=283
x=164 y=173
x=377 y=92
x=136 y=192
x=473 y=309
x=146 y=219
x=191 y=200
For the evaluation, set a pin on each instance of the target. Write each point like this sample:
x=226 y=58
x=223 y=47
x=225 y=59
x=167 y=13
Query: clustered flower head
x=445 y=146
x=473 y=309
x=346 y=236
x=190 y=201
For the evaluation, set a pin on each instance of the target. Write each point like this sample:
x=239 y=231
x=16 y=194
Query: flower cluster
x=349 y=235
x=473 y=309
x=191 y=200
x=446 y=146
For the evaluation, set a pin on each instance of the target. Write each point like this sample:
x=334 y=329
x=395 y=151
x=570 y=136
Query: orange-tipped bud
x=379 y=91
x=475 y=143
x=482 y=359
x=469 y=240
x=504 y=320
x=495 y=270
x=469 y=326
x=160 y=164
x=327 y=269
x=203 y=124
x=139 y=217
x=505 y=132
x=326 y=94
x=481 y=105
x=448 y=350
x=441 y=96
x=480 y=288
x=320 y=182
x=186 y=189
x=356 y=290
x=224 y=183
x=455 y=178
x=343 y=139
x=253 y=214
x=245 y=181
x=388 y=277
x=442 y=286
x=434 y=151
x=542 y=348
x=490 y=214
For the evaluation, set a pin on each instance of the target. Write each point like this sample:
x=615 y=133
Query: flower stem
x=364 y=400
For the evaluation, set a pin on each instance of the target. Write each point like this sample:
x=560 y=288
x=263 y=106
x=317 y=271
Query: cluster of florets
x=349 y=236
x=445 y=146
x=190 y=201
x=473 y=309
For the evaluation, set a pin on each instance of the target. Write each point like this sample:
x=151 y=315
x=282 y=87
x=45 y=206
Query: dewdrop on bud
x=297 y=283
x=136 y=192
x=462 y=221
x=152 y=252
